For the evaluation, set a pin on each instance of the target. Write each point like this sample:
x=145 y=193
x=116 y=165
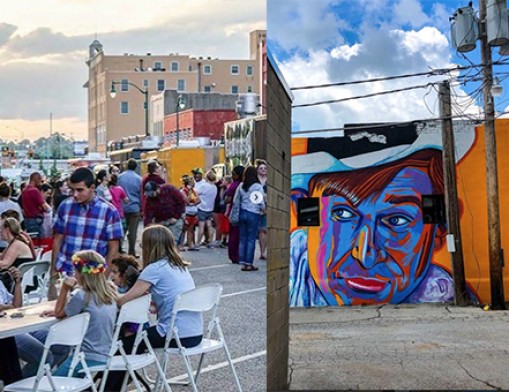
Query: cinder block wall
x=277 y=153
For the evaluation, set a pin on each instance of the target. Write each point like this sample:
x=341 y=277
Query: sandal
x=249 y=268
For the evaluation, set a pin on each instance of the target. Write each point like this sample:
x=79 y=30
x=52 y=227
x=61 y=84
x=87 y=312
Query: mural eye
x=342 y=214
x=397 y=220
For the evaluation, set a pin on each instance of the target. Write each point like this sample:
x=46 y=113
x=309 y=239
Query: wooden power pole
x=451 y=197
x=494 y=236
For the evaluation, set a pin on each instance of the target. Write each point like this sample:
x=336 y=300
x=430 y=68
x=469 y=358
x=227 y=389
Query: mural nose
x=364 y=250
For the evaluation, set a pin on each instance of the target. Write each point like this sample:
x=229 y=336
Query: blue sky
x=329 y=41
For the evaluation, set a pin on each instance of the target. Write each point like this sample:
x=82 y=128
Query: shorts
x=263 y=222
x=191 y=220
x=204 y=215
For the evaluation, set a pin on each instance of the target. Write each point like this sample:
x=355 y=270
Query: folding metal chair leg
x=198 y=369
x=190 y=373
x=228 y=356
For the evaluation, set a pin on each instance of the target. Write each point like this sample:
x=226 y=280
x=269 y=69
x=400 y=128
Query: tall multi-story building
x=113 y=118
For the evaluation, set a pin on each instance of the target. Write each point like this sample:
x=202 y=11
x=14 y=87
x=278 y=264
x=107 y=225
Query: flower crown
x=88 y=266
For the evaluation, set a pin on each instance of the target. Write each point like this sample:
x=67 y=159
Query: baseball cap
x=197 y=170
x=150 y=189
x=153 y=162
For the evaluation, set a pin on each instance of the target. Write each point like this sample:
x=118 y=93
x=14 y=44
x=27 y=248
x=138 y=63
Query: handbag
x=235 y=211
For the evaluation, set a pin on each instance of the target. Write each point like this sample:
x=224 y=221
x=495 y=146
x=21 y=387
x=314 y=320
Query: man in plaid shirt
x=84 y=222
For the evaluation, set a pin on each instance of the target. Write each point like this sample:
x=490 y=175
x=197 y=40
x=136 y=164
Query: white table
x=31 y=321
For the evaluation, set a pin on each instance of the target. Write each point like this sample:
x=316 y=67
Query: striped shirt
x=85 y=227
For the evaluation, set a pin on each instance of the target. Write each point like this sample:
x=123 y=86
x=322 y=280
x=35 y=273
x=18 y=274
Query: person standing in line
x=60 y=193
x=101 y=185
x=252 y=206
x=261 y=170
x=118 y=196
x=34 y=205
x=154 y=175
x=233 y=235
x=207 y=193
x=84 y=222
x=191 y=218
x=130 y=181
x=165 y=205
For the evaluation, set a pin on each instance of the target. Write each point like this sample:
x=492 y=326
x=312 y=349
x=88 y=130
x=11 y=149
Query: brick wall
x=276 y=150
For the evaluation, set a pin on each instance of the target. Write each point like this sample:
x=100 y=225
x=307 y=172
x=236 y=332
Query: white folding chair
x=39 y=269
x=135 y=311
x=201 y=299
x=59 y=333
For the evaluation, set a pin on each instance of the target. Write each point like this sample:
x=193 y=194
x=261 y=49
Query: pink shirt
x=117 y=195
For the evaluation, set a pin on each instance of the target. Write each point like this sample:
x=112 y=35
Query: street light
x=113 y=94
x=181 y=104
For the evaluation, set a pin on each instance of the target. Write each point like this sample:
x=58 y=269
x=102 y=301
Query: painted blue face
x=379 y=250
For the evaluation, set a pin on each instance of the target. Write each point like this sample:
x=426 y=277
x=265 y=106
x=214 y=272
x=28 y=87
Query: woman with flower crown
x=95 y=295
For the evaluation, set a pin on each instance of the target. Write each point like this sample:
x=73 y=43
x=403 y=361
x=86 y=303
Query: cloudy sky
x=329 y=41
x=44 y=45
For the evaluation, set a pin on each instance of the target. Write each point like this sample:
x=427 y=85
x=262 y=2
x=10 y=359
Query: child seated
x=94 y=295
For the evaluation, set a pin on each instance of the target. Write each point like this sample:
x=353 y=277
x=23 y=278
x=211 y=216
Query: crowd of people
x=86 y=217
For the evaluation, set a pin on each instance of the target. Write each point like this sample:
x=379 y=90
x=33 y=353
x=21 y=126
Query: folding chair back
x=39 y=269
x=68 y=332
x=27 y=279
x=135 y=311
x=46 y=255
x=201 y=299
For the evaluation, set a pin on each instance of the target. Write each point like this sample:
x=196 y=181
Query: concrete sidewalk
x=402 y=347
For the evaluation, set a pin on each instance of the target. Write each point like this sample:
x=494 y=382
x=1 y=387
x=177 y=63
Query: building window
x=234 y=69
x=181 y=85
x=124 y=85
x=124 y=107
x=206 y=89
x=249 y=89
x=160 y=85
x=158 y=66
x=207 y=69
x=249 y=70
x=235 y=89
x=174 y=66
x=145 y=83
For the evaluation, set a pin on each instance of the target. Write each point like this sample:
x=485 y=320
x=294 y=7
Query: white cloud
x=409 y=12
x=44 y=44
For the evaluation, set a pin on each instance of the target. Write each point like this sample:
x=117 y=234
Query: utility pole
x=494 y=236
x=451 y=196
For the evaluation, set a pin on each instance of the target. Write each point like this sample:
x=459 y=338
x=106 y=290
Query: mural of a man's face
x=376 y=249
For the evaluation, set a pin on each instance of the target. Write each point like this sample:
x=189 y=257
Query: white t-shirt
x=207 y=193
x=5 y=297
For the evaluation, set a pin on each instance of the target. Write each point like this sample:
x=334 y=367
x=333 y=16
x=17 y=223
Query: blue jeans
x=34 y=225
x=249 y=224
x=63 y=369
x=30 y=348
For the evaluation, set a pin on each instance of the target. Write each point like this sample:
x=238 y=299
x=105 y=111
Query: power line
x=433 y=72
x=363 y=96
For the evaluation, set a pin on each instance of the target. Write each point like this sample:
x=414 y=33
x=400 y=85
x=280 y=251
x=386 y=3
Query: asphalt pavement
x=399 y=347
x=242 y=313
